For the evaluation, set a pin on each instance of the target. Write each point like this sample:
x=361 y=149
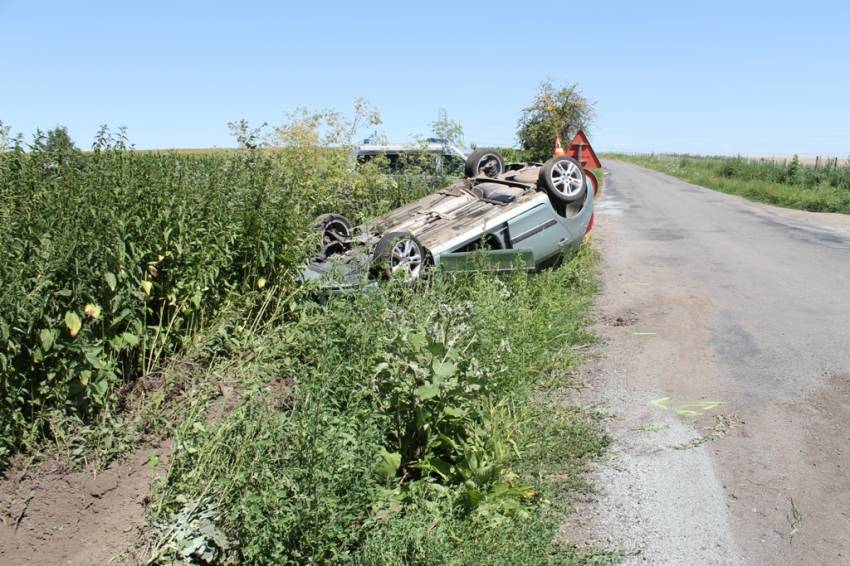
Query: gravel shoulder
x=725 y=367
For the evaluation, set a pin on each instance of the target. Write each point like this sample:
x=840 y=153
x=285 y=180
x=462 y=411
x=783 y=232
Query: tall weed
x=112 y=260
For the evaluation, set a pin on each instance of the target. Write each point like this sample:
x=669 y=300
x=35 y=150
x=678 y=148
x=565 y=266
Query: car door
x=539 y=231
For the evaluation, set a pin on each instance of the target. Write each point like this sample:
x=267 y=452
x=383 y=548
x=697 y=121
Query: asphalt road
x=725 y=367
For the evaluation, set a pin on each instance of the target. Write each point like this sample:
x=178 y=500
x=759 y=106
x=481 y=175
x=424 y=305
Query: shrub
x=407 y=434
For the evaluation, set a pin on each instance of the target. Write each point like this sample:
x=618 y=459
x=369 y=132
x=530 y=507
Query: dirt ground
x=725 y=367
x=50 y=515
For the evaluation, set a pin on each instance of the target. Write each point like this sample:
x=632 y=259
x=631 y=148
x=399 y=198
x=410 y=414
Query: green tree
x=308 y=127
x=59 y=141
x=552 y=112
x=448 y=131
x=246 y=136
x=58 y=146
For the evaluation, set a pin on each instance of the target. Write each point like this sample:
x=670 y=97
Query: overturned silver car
x=518 y=216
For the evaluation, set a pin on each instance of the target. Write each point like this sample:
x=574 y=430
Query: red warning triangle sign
x=582 y=151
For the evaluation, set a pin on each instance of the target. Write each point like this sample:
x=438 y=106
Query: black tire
x=335 y=230
x=484 y=162
x=399 y=251
x=564 y=180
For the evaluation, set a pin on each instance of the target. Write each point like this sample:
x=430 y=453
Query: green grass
x=821 y=188
x=413 y=428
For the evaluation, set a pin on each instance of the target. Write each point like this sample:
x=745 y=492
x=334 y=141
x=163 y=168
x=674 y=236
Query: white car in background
x=446 y=159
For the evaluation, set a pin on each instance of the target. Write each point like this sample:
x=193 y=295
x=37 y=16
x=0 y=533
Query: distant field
x=190 y=150
x=815 y=184
x=818 y=160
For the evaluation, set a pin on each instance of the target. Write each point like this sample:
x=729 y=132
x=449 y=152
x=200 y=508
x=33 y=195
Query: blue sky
x=758 y=78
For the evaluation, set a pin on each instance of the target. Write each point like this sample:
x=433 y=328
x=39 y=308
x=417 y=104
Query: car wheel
x=399 y=253
x=335 y=230
x=563 y=179
x=484 y=162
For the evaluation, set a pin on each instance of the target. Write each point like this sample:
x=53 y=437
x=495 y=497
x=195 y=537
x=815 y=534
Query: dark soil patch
x=50 y=515
x=627 y=318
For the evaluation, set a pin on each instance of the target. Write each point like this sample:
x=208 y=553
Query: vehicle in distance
x=434 y=155
x=519 y=216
